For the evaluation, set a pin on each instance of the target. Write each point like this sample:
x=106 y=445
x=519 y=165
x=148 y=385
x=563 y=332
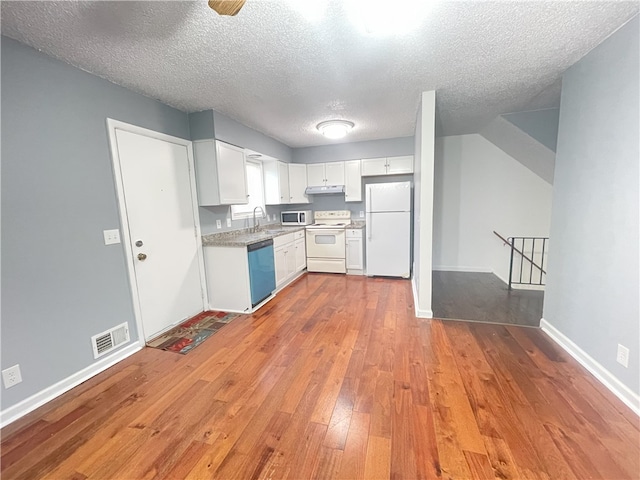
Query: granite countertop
x=244 y=237
x=357 y=224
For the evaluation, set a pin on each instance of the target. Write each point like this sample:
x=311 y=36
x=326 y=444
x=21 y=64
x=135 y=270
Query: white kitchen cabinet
x=288 y=265
x=297 y=183
x=276 y=182
x=229 y=293
x=355 y=251
x=280 y=259
x=322 y=174
x=221 y=176
x=387 y=165
x=374 y=166
x=397 y=165
x=301 y=254
x=334 y=173
x=352 y=181
x=315 y=175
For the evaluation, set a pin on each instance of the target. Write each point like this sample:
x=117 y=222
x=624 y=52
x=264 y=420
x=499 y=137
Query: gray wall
x=539 y=124
x=593 y=286
x=230 y=131
x=60 y=283
x=390 y=147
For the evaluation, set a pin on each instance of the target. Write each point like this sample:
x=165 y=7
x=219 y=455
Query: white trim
x=112 y=126
x=619 y=389
x=441 y=268
x=29 y=404
x=419 y=312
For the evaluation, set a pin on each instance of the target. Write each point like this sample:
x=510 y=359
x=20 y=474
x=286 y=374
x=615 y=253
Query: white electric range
x=326 y=241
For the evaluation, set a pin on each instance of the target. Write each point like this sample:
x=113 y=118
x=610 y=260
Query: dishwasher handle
x=258 y=245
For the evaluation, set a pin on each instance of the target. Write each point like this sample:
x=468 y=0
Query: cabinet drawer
x=283 y=240
x=354 y=232
x=298 y=235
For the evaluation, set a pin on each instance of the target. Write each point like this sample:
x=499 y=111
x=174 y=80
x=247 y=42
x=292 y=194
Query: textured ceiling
x=274 y=71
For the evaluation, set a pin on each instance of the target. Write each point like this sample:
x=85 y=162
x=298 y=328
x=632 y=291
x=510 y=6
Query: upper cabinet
x=284 y=183
x=221 y=176
x=276 y=182
x=352 y=181
x=387 y=165
x=322 y=174
x=297 y=183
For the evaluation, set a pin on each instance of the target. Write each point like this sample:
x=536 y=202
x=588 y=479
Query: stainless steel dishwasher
x=262 y=272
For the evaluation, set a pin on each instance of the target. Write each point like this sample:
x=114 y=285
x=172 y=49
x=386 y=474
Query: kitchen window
x=255 y=189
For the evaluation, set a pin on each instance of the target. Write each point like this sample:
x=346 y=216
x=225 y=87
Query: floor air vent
x=106 y=341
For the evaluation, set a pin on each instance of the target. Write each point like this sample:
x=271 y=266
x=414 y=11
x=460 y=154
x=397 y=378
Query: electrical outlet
x=228 y=222
x=623 y=356
x=268 y=217
x=361 y=214
x=111 y=236
x=218 y=224
x=11 y=376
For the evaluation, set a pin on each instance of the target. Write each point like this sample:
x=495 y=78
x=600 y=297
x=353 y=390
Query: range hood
x=323 y=190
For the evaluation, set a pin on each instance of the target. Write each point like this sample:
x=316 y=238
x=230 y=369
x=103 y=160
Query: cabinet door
x=301 y=254
x=334 y=173
x=315 y=175
x=232 y=174
x=354 y=254
x=353 y=181
x=283 y=182
x=280 y=260
x=271 y=182
x=297 y=183
x=397 y=165
x=374 y=166
x=290 y=259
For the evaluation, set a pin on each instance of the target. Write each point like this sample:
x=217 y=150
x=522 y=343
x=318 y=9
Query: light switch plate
x=228 y=222
x=361 y=214
x=111 y=236
x=218 y=224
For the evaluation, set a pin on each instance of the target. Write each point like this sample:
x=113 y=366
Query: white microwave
x=299 y=217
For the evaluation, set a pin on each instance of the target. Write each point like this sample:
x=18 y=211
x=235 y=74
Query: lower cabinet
x=290 y=257
x=229 y=292
x=355 y=251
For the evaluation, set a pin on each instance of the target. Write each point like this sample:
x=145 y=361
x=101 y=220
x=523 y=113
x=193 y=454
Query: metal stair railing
x=527 y=246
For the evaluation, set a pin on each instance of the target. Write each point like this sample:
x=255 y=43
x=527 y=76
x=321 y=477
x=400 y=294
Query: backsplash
x=209 y=215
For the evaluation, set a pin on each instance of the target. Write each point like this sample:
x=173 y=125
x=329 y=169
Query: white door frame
x=112 y=126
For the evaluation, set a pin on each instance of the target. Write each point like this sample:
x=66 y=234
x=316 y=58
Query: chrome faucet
x=256 y=222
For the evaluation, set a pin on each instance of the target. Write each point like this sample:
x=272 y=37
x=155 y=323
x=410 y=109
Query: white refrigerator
x=388 y=229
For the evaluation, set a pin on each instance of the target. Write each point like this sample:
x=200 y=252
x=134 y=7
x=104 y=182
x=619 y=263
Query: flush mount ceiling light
x=335 y=128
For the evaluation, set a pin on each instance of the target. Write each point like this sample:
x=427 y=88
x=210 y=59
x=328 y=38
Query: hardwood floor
x=336 y=378
x=483 y=297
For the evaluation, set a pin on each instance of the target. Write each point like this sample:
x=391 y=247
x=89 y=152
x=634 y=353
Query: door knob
x=142 y=257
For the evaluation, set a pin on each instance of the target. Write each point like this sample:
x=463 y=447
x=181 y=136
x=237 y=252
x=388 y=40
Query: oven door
x=326 y=243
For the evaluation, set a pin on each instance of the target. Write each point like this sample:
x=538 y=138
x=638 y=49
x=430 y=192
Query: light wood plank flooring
x=483 y=297
x=335 y=378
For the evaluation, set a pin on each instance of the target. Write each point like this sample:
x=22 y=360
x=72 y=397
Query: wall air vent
x=106 y=341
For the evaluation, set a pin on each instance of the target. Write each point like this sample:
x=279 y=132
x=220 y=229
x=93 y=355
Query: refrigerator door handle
x=369 y=210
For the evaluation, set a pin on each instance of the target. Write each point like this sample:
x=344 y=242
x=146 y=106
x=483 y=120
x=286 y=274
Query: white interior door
x=158 y=197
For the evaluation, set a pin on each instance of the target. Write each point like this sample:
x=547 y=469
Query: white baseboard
x=441 y=268
x=27 y=405
x=620 y=390
x=420 y=313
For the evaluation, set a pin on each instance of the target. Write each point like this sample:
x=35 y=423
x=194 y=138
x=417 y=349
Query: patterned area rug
x=188 y=335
